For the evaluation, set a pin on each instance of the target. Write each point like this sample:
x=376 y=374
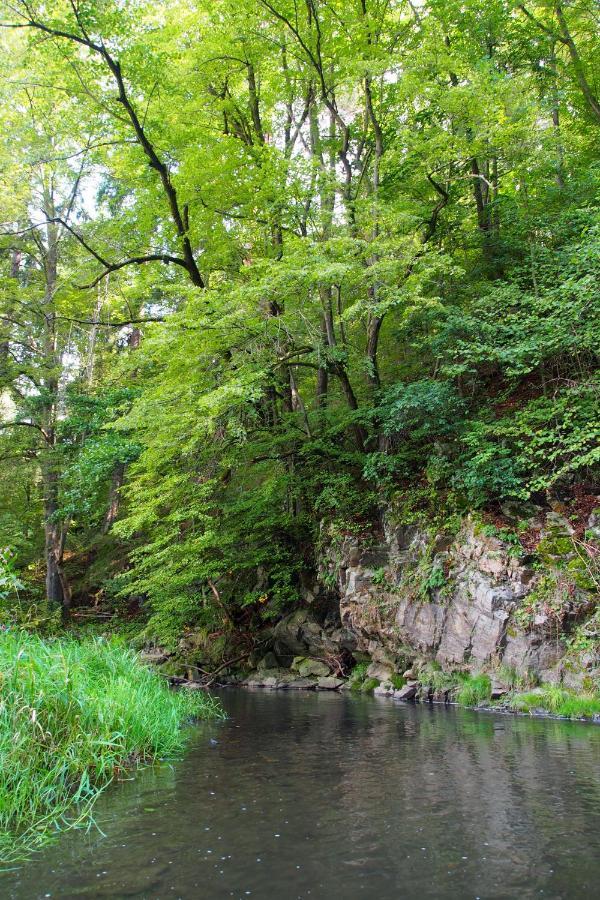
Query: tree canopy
x=268 y=263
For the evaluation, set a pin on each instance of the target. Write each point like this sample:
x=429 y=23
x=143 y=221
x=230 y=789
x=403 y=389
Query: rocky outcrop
x=458 y=601
x=306 y=634
x=408 y=609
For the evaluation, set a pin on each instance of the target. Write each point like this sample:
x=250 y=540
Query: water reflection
x=304 y=795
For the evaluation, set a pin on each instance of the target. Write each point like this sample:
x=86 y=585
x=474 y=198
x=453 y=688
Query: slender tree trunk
x=560 y=151
x=55 y=532
x=15 y=266
x=114 y=497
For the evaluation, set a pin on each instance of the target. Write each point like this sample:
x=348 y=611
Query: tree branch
x=154 y=161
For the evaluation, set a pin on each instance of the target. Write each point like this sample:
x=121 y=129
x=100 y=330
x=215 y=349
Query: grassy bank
x=558 y=701
x=551 y=699
x=72 y=714
x=520 y=694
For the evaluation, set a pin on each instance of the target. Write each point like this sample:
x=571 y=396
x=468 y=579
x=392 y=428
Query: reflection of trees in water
x=384 y=771
x=356 y=787
x=520 y=786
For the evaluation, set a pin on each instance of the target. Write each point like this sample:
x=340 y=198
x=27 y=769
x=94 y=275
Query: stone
x=499 y=690
x=380 y=671
x=269 y=661
x=384 y=690
x=313 y=667
x=517 y=511
x=329 y=683
x=471 y=625
x=300 y=684
x=153 y=656
x=408 y=692
x=558 y=524
x=270 y=678
x=305 y=634
x=593 y=525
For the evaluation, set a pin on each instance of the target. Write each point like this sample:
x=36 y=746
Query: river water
x=303 y=795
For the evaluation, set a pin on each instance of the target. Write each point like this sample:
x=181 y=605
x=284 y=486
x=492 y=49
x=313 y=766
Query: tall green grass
x=474 y=689
x=559 y=701
x=72 y=714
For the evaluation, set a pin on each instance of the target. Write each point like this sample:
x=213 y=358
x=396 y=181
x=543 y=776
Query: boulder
x=269 y=661
x=499 y=690
x=308 y=667
x=303 y=634
x=381 y=671
x=154 y=656
x=593 y=525
x=408 y=692
x=384 y=690
x=300 y=684
x=269 y=678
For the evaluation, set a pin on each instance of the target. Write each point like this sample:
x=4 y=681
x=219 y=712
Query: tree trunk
x=57 y=586
x=114 y=497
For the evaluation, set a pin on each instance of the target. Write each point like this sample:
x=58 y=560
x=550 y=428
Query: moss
x=369 y=685
x=398 y=681
x=582 y=579
x=555 y=549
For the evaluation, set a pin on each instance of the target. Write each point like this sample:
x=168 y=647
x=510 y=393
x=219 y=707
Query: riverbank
x=500 y=692
x=73 y=715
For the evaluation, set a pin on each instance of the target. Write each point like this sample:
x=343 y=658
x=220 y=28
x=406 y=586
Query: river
x=303 y=795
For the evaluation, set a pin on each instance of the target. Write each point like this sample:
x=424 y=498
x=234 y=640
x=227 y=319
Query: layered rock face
x=394 y=604
x=454 y=600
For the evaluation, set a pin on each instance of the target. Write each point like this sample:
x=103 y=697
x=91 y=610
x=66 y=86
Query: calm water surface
x=326 y=796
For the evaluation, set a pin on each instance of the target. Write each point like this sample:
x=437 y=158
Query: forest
x=299 y=390
x=267 y=266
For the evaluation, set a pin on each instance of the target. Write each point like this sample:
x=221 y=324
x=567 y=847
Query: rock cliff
x=473 y=601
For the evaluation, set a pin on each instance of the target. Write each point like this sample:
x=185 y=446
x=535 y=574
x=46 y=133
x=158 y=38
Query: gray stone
x=384 y=690
x=313 y=667
x=498 y=690
x=269 y=661
x=558 y=524
x=593 y=525
x=380 y=671
x=408 y=692
x=153 y=656
x=329 y=683
x=471 y=624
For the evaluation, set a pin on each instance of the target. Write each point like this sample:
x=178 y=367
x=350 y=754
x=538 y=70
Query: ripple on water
x=334 y=796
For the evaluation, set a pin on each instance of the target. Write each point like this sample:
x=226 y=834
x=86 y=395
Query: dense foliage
x=267 y=262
